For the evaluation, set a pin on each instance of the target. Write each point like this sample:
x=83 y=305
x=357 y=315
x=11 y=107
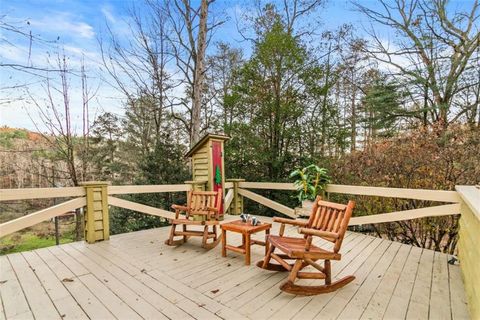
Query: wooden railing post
x=97 y=226
x=237 y=203
x=468 y=249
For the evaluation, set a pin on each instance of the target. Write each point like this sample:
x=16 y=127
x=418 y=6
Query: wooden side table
x=246 y=229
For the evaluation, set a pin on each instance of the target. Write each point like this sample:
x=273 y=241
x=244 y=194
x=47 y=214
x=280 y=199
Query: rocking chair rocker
x=328 y=221
x=203 y=209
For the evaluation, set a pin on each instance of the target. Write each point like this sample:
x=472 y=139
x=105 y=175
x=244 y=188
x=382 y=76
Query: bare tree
x=295 y=14
x=138 y=64
x=56 y=116
x=17 y=30
x=433 y=49
x=192 y=28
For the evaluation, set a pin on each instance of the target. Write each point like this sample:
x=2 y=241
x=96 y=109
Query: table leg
x=247 y=249
x=224 y=243
x=267 y=244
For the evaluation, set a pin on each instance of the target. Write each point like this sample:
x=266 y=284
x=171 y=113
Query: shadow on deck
x=135 y=275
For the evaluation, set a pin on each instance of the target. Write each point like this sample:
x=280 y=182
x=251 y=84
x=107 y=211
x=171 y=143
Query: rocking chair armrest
x=319 y=233
x=292 y=222
x=179 y=207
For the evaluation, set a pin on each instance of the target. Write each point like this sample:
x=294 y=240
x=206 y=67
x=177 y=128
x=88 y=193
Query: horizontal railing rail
x=31 y=219
x=41 y=193
x=135 y=206
x=267 y=185
x=228 y=185
x=229 y=198
x=402 y=193
x=436 y=211
x=268 y=203
x=80 y=201
x=134 y=189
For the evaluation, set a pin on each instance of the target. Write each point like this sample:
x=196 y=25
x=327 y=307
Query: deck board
x=398 y=304
x=419 y=300
x=137 y=276
x=13 y=298
x=379 y=300
x=39 y=301
x=440 y=289
x=90 y=304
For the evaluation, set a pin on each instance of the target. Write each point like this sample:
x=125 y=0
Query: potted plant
x=310 y=182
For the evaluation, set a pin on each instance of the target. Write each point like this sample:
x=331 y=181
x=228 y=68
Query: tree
x=106 y=144
x=381 y=105
x=198 y=82
x=17 y=29
x=270 y=88
x=55 y=114
x=191 y=32
x=433 y=50
x=138 y=66
x=222 y=76
x=424 y=158
x=164 y=165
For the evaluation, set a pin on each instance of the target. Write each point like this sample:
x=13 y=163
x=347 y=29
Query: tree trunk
x=199 y=73
x=353 y=132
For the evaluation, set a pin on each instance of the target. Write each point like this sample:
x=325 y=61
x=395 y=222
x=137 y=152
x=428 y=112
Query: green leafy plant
x=310 y=181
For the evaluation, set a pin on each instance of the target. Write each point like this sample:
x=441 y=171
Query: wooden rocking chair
x=328 y=221
x=203 y=209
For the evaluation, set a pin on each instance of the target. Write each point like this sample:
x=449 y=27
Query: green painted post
x=97 y=226
x=236 y=207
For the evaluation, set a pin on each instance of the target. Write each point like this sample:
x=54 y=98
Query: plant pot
x=307 y=204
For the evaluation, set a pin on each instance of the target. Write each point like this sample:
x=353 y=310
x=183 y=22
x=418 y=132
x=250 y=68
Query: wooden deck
x=135 y=275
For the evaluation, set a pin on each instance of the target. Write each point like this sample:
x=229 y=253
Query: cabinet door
x=217 y=169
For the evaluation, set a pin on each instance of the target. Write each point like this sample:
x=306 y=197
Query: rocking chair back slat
x=202 y=201
x=331 y=217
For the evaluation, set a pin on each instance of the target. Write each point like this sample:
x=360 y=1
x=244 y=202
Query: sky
x=74 y=26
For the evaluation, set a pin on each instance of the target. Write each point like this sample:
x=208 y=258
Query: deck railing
x=469 y=245
x=418 y=194
x=96 y=197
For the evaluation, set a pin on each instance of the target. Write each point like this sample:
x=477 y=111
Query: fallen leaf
x=215 y=291
x=228 y=265
x=143 y=271
x=151 y=241
x=67 y=280
x=3 y=281
x=105 y=280
x=161 y=253
x=175 y=259
x=201 y=305
x=63 y=315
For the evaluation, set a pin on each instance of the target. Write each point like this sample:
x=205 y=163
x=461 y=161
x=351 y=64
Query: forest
x=402 y=111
